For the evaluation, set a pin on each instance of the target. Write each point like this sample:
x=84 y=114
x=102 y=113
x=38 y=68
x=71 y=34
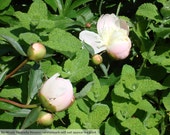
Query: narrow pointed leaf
x=15 y=44
x=31 y=118
x=2 y=76
x=34 y=83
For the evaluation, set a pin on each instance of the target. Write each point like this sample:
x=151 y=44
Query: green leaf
x=2 y=76
x=146 y=106
x=129 y=87
x=34 y=82
x=98 y=115
x=63 y=42
x=29 y=37
x=75 y=113
x=24 y=19
x=78 y=3
x=6 y=121
x=148 y=10
x=161 y=32
x=135 y=125
x=4 y=4
x=111 y=126
x=152 y=131
x=11 y=92
x=78 y=68
x=83 y=106
x=162 y=59
x=20 y=113
x=52 y=4
x=8 y=107
x=98 y=92
x=146 y=86
x=15 y=44
x=123 y=108
x=38 y=10
x=84 y=91
x=31 y=118
x=165 y=101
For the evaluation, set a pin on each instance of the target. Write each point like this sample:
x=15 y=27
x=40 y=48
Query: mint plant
x=127 y=95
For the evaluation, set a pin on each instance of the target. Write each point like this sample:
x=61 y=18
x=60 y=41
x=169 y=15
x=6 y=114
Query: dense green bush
x=129 y=96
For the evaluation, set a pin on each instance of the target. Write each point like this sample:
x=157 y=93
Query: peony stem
x=16 y=69
x=18 y=104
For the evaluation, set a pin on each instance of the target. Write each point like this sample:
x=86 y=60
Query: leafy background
x=118 y=97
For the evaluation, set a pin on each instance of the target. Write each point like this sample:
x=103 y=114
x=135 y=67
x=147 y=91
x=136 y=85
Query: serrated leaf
x=19 y=113
x=98 y=115
x=15 y=44
x=78 y=68
x=63 y=42
x=34 y=82
x=98 y=92
x=31 y=118
x=129 y=87
x=76 y=113
x=148 y=10
x=135 y=125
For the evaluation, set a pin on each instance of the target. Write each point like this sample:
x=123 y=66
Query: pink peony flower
x=56 y=94
x=112 y=36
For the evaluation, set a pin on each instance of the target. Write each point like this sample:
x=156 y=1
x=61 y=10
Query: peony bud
x=45 y=118
x=56 y=94
x=97 y=59
x=36 y=52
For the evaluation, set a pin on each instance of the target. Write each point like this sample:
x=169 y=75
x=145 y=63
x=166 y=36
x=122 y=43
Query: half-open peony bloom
x=112 y=36
x=56 y=94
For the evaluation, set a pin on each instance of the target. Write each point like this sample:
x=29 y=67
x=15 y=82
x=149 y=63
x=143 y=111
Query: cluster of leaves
x=118 y=97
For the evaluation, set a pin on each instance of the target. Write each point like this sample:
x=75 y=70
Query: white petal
x=107 y=24
x=92 y=39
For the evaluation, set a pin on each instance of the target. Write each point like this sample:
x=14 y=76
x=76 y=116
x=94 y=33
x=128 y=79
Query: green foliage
x=130 y=96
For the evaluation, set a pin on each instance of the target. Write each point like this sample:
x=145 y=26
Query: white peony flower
x=112 y=36
x=56 y=94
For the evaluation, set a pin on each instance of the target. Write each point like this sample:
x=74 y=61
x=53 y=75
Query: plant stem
x=16 y=69
x=118 y=8
x=18 y=104
x=147 y=57
x=100 y=7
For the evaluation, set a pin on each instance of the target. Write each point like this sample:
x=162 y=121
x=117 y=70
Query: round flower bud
x=56 y=94
x=45 y=118
x=36 y=52
x=97 y=59
x=88 y=25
